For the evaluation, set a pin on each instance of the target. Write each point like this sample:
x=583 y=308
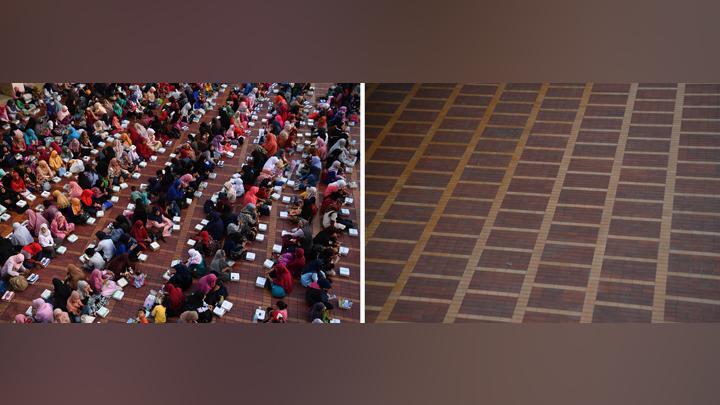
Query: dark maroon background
x=361 y=40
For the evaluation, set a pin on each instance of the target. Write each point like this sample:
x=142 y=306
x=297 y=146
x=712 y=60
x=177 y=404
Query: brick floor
x=244 y=295
x=543 y=202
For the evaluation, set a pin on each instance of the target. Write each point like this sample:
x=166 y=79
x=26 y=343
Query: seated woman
x=215 y=226
x=206 y=283
x=196 y=263
x=181 y=277
x=75 y=306
x=219 y=266
x=320 y=313
x=61 y=201
x=121 y=266
x=73 y=189
x=277 y=315
x=60 y=316
x=174 y=299
x=44 y=175
x=116 y=173
x=294 y=261
x=217 y=294
x=8 y=198
x=90 y=205
x=156 y=221
x=61 y=293
x=85 y=145
x=234 y=246
x=136 y=194
x=74 y=275
x=56 y=163
x=17 y=184
x=141 y=235
x=206 y=244
x=101 y=282
x=46 y=241
x=60 y=227
x=13 y=272
x=42 y=311
x=279 y=281
x=76 y=214
x=21 y=236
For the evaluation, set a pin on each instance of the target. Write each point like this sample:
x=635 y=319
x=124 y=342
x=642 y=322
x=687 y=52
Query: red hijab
x=204 y=237
x=249 y=197
x=87 y=197
x=283 y=278
x=138 y=231
x=297 y=264
x=270 y=145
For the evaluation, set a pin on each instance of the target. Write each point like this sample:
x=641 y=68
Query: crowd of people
x=99 y=135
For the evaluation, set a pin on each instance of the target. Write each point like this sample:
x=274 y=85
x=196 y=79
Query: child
x=158 y=313
x=141 y=318
x=278 y=315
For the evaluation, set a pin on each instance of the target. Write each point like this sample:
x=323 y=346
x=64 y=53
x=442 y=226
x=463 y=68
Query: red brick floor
x=244 y=295
x=543 y=202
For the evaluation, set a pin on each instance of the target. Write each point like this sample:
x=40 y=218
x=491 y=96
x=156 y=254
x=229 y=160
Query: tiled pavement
x=244 y=295
x=547 y=202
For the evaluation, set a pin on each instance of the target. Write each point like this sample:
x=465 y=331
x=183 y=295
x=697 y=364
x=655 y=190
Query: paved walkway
x=543 y=202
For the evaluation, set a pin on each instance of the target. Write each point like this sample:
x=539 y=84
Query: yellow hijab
x=55 y=161
x=60 y=200
x=76 y=207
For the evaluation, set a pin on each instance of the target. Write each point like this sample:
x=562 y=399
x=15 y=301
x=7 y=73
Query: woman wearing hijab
x=140 y=234
x=76 y=214
x=84 y=290
x=250 y=196
x=280 y=282
x=12 y=271
x=206 y=283
x=60 y=316
x=156 y=221
x=74 y=305
x=229 y=190
x=270 y=145
x=74 y=190
x=63 y=116
x=44 y=175
x=35 y=221
x=56 y=163
x=175 y=299
x=116 y=174
x=181 y=278
x=60 y=227
x=219 y=266
x=42 y=311
x=215 y=227
x=21 y=236
x=120 y=265
x=46 y=241
x=296 y=262
x=61 y=201
x=205 y=243
x=196 y=263
x=61 y=293
x=74 y=275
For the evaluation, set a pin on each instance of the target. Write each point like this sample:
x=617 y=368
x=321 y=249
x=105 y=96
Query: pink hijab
x=43 y=311
x=321 y=147
x=96 y=280
x=206 y=283
x=35 y=221
x=75 y=189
